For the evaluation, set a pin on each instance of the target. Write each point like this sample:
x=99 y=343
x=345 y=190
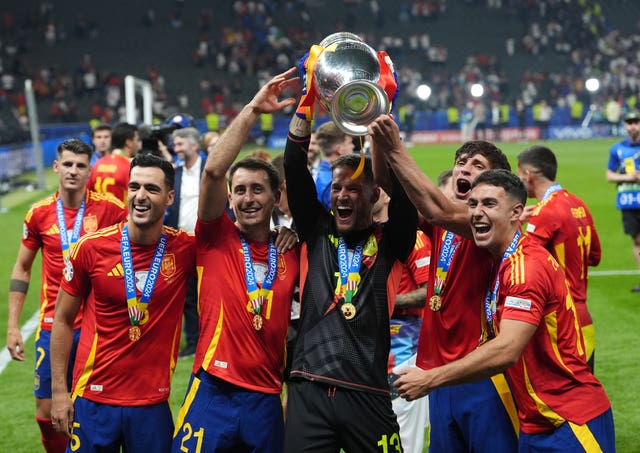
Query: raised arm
x=20 y=277
x=213 y=187
x=301 y=189
x=431 y=203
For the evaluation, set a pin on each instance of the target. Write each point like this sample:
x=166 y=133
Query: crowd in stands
x=261 y=38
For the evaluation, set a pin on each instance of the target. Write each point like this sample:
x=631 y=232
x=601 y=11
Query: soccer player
x=131 y=279
x=562 y=224
x=454 y=322
x=338 y=392
x=110 y=174
x=537 y=338
x=101 y=140
x=413 y=416
x=246 y=287
x=623 y=169
x=74 y=211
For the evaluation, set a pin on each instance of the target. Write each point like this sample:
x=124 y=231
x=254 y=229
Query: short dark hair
x=444 y=177
x=542 y=159
x=100 y=127
x=150 y=160
x=328 y=135
x=76 y=146
x=512 y=185
x=121 y=133
x=352 y=161
x=255 y=163
x=494 y=155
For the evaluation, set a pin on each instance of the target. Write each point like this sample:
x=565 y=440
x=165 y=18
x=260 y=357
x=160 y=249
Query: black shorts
x=631 y=221
x=324 y=418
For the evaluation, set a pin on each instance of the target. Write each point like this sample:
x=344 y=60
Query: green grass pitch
x=616 y=311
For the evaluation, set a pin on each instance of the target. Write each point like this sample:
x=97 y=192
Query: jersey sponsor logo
x=90 y=223
x=518 y=302
x=168 y=266
x=531 y=228
x=95 y=388
x=25 y=231
x=422 y=262
x=220 y=364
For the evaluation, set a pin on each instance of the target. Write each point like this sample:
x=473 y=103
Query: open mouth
x=481 y=228
x=344 y=212
x=463 y=186
x=141 y=209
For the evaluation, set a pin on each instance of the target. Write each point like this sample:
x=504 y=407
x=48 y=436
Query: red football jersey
x=551 y=382
x=41 y=231
x=415 y=272
x=454 y=330
x=110 y=174
x=229 y=347
x=111 y=368
x=563 y=225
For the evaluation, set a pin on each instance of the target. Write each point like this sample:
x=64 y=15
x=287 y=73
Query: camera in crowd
x=153 y=136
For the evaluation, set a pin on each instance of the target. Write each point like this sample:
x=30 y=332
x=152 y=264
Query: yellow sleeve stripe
x=555 y=419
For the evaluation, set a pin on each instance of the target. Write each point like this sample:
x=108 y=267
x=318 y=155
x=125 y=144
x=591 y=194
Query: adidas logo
x=117 y=271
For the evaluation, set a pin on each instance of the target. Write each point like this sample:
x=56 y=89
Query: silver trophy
x=346 y=79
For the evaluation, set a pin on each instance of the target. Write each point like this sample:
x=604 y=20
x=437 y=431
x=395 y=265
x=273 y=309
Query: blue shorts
x=473 y=417
x=107 y=429
x=42 y=381
x=219 y=416
x=595 y=435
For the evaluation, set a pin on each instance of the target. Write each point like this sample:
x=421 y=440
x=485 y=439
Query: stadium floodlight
x=592 y=84
x=423 y=92
x=477 y=90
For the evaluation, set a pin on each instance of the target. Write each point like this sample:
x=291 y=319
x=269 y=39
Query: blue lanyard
x=551 y=189
x=257 y=295
x=449 y=246
x=491 y=297
x=137 y=308
x=62 y=226
x=349 y=272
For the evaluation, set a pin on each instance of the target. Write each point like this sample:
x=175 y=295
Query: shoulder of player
x=97 y=237
x=43 y=205
x=529 y=259
x=178 y=234
x=104 y=198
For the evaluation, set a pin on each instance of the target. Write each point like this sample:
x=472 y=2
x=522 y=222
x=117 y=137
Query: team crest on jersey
x=168 y=267
x=90 y=223
x=282 y=266
x=141 y=278
x=25 y=231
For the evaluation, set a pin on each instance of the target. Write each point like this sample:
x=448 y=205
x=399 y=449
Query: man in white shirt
x=183 y=214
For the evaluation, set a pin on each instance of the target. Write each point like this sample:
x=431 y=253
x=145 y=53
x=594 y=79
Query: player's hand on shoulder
x=285 y=238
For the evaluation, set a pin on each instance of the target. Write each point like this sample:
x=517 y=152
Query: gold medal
x=134 y=333
x=348 y=310
x=257 y=322
x=435 y=302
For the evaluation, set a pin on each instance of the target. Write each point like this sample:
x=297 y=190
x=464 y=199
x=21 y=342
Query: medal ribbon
x=135 y=307
x=349 y=273
x=257 y=295
x=449 y=245
x=62 y=226
x=491 y=297
x=551 y=189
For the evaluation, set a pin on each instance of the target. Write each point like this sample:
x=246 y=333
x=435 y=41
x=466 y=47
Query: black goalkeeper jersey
x=351 y=353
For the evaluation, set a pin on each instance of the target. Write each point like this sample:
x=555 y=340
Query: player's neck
x=257 y=233
x=497 y=251
x=150 y=234
x=71 y=198
x=542 y=187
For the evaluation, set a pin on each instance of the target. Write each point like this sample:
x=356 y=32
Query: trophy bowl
x=346 y=79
